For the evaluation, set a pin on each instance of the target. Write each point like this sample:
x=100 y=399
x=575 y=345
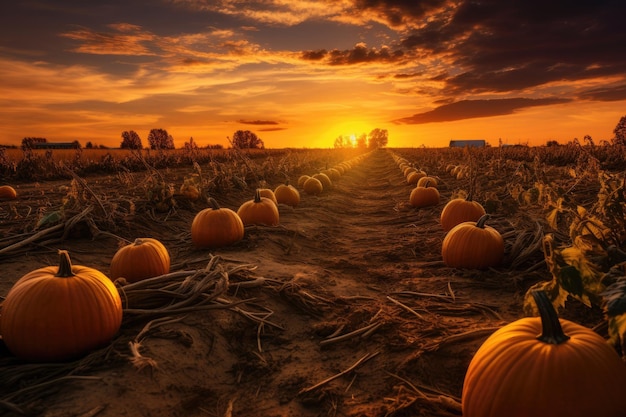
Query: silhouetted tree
x=76 y=145
x=361 y=141
x=89 y=145
x=552 y=143
x=160 y=139
x=339 y=142
x=378 y=138
x=620 y=132
x=244 y=139
x=131 y=140
x=191 y=145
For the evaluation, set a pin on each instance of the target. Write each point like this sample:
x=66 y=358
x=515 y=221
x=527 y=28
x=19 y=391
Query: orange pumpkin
x=60 y=313
x=287 y=194
x=302 y=179
x=313 y=186
x=144 y=258
x=424 y=196
x=215 y=227
x=324 y=179
x=268 y=193
x=431 y=181
x=8 y=192
x=566 y=371
x=414 y=176
x=460 y=210
x=473 y=245
x=260 y=211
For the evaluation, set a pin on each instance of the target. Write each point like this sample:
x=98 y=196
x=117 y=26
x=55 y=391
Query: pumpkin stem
x=213 y=203
x=65 y=265
x=551 y=330
x=257 y=196
x=481 y=222
x=469 y=196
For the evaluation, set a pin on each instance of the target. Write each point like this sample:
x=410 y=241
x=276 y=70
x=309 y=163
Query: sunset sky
x=302 y=73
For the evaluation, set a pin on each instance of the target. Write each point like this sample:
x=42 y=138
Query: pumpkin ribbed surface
x=472 y=245
x=216 y=227
x=144 y=258
x=55 y=318
x=515 y=374
x=460 y=210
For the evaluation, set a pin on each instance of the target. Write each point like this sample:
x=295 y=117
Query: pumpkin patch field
x=355 y=288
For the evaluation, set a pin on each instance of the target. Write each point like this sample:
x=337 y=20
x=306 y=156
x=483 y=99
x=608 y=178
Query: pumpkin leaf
x=617 y=330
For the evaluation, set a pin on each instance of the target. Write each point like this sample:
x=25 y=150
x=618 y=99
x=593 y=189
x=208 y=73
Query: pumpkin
x=424 y=196
x=144 y=258
x=567 y=371
x=8 y=192
x=431 y=181
x=60 y=313
x=414 y=176
x=259 y=211
x=460 y=210
x=324 y=179
x=268 y=193
x=302 y=179
x=473 y=245
x=215 y=227
x=313 y=186
x=287 y=194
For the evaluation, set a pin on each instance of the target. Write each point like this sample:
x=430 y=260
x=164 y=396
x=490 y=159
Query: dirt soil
x=345 y=309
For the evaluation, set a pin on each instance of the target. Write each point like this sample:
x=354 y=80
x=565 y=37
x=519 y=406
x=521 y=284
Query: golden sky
x=302 y=73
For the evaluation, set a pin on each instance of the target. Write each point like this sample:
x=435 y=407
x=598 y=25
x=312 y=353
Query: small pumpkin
x=287 y=194
x=473 y=245
x=8 y=192
x=431 y=181
x=425 y=196
x=259 y=210
x=216 y=226
x=567 y=371
x=324 y=179
x=268 y=193
x=60 y=313
x=142 y=259
x=302 y=179
x=313 y=186
x=459 y=210
x=414 y=176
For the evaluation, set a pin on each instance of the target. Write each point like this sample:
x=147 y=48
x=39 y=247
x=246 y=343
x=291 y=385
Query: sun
x=352 y=137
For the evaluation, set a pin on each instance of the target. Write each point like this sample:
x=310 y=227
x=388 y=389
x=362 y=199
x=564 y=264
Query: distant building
x=462 y=143
x=56 y=145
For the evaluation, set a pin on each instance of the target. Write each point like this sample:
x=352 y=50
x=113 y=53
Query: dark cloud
x=272 y=129
x=257 y=122
x=467 y=109
x=507 y=46
x=357 y=55
x=616 y=93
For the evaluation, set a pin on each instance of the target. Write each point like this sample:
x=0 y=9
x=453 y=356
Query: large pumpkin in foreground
x=545 y=367
x=473 y=245
x=59 y=313
x=144 y=258
x=216 y=226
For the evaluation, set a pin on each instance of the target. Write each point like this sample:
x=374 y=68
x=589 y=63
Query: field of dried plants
x=344 y=309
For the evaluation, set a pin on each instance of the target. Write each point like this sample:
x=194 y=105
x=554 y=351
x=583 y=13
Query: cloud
x=496 y=46
x=612 y=93
x=357 y=55
x=469 y=109
x=257 y=122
